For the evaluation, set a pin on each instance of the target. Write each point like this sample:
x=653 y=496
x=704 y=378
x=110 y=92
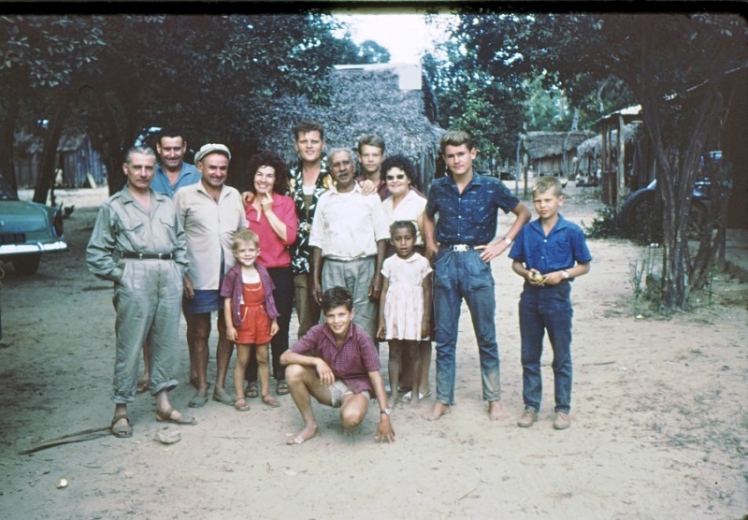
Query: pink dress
x=403 y=306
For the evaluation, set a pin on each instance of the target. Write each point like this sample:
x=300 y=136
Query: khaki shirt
x=123 y=225
x=210 y=227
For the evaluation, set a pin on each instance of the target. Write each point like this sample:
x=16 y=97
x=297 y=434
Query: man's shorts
x=205 y=301
x=338 y=390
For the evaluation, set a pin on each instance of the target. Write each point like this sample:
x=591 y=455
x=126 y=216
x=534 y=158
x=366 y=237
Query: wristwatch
x=507 y=240
x=565 y=274
x=386 y=411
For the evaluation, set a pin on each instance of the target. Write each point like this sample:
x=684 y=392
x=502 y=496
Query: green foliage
x=657 y=58
x=470 y=100
x=605 y=224
x=46 y=51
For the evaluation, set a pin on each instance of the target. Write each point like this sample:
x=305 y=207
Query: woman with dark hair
x=406 y=203
x=272 y=215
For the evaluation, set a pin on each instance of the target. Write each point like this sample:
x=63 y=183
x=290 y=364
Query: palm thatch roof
x=593 y=146
x=364 y=101
x=540 y=145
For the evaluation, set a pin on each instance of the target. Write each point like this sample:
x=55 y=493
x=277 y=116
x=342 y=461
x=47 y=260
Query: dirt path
x=660 y=423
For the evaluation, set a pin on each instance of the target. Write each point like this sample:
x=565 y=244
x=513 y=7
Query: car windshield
x=6 y=192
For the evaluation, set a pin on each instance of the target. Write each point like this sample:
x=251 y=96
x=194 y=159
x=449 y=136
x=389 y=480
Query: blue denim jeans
x=461 y=275
x=546 y=308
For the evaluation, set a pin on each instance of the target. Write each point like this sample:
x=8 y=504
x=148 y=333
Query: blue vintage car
x=27 y=230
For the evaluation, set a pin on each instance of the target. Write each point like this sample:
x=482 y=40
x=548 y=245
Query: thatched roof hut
x=593 y=146
x=551 y=152
x=541 y=145
x=385 y=99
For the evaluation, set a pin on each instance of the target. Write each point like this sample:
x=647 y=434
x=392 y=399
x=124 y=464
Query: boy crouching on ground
x=336 y=363
x=548 y=253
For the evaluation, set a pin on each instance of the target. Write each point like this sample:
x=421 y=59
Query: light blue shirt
x=161 y=184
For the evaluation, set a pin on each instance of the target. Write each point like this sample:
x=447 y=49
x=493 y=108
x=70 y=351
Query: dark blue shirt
x=564 y=246
x=469 y=217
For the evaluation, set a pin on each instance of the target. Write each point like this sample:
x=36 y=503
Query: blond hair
x=546 y=183
x=245 y=236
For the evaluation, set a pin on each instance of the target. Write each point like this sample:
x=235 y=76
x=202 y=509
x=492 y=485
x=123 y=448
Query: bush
x=605 y=225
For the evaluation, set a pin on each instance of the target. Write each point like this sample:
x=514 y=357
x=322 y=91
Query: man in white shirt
x=349 y=239
x=211 y=213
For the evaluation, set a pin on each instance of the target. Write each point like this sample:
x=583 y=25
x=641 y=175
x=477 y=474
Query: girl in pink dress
x=406 y=296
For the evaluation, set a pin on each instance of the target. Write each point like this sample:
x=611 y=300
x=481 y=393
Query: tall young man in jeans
x=463 y=243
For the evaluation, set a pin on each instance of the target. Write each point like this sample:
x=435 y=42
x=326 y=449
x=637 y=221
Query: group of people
x=362 y=258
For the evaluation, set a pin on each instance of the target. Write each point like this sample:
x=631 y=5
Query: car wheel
x=26 y=264
x=639 y=217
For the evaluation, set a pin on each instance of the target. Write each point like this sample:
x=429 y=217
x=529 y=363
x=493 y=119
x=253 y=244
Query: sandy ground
x=660 y=424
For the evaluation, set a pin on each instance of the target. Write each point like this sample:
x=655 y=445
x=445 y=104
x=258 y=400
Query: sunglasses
x=399 y=177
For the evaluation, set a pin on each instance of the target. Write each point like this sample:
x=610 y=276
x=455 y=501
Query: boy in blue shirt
x=548 y=253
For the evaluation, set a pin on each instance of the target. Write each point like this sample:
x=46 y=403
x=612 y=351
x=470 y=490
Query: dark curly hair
x=403 y=163
x=266 y=158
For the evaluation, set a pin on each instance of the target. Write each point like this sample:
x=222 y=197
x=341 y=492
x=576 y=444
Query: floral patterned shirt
x=300 y=252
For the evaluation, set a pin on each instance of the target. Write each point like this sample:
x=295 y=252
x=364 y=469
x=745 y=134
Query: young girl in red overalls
x=251 y=315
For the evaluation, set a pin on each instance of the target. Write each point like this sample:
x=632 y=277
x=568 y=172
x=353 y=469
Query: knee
x=352 y=416
x=294 y=373
x=262 y=356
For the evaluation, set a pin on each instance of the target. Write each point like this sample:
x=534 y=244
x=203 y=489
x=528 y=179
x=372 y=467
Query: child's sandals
x=240 y=405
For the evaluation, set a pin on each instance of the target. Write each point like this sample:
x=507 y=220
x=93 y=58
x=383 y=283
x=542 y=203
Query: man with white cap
x=211 y=213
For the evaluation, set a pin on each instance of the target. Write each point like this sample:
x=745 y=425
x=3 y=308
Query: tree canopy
x=654 y=57
x=209 y=76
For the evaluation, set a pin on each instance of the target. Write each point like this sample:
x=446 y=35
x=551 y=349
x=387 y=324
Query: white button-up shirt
x=347 y=226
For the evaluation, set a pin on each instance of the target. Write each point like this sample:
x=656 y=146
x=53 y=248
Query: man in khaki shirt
x=139 y=244
x=211 y=213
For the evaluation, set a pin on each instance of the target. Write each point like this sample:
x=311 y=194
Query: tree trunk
x=106 y=139
x=51 y=141
x=7 y=139
x=677 y=166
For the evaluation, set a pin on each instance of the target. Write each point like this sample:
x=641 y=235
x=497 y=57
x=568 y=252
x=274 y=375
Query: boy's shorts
x=338 y=390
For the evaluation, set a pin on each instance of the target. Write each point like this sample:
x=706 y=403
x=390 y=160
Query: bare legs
x=303 y=384
x=223 y=357
x=411 y=349
x=198 y=332
x=405 y=379
x=242 y=359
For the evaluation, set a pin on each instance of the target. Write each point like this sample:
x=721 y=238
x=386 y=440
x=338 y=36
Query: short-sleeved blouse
x=410 y=208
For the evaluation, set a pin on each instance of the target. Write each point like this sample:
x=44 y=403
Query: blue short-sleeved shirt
x=188 y=175
x=469 y=217
x=564 y=246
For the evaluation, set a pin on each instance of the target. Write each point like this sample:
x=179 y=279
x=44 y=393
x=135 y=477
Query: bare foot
x=307 y=433
x=494 y=410
x=439 y=410
x=271 y=401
